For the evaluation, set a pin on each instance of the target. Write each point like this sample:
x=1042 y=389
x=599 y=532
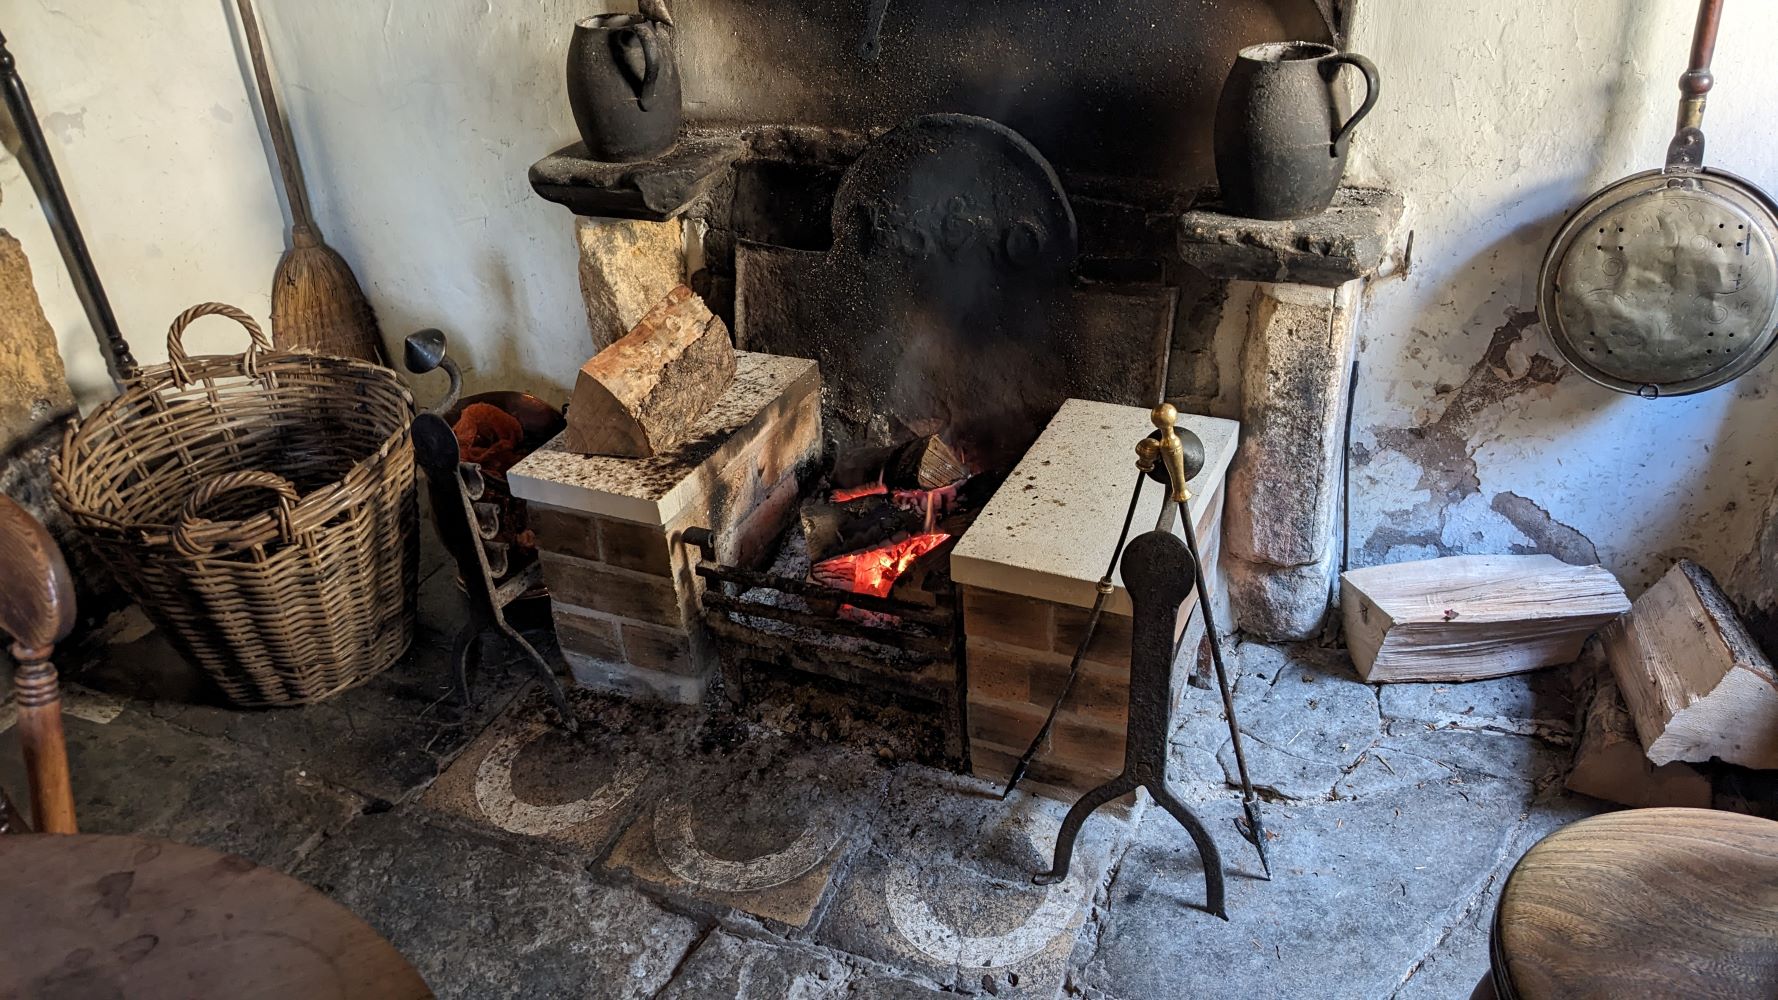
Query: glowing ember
x=935 y=503
x=873 y=571
x=875 y=489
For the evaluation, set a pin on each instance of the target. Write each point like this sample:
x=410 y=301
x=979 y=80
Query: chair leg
x=39 y=700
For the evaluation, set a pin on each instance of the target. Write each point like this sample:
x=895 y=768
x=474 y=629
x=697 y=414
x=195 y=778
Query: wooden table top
x=1646 y=903
x=93 y=916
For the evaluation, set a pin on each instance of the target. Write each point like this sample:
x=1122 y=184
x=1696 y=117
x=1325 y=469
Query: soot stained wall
x=1124 y=88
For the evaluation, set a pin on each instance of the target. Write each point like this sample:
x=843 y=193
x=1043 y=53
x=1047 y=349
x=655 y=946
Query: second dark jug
x=1282 y=128
x=623 y=84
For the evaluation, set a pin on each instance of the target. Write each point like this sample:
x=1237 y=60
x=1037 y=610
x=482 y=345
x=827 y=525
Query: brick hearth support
x=1285 y=486
x=610 y=530
x=1028 y=570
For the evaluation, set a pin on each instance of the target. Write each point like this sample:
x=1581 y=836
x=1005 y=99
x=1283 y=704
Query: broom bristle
x=318 y=306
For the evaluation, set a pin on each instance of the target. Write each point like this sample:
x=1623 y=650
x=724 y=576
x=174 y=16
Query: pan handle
x=1696 y=81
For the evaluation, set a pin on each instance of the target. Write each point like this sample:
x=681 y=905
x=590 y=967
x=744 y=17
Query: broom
x=317 y=304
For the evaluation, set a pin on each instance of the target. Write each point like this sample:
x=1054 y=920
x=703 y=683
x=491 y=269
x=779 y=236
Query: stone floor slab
x=135 y=774
x=1304 y=729
x=759 y=826
x=526 y=777
x=1360 y=891
x=944 y=889
x=748 y=969
x=478 y=922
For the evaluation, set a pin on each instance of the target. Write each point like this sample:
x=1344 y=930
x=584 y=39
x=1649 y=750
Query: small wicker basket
x=281 y=606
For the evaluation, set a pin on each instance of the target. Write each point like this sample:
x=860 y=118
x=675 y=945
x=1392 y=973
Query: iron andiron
x=1161 y=572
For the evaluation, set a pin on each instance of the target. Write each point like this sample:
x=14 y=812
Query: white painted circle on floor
x=493 y=792
x=677 y=844
x=933 y=937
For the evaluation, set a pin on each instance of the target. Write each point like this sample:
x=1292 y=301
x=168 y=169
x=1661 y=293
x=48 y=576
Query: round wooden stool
x=1646 y=903
x=97 y=916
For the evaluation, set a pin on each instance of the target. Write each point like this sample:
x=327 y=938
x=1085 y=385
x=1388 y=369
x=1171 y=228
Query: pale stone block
x=626 y=267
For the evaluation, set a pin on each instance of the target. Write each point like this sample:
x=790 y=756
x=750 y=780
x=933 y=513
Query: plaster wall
x=160 y=150
x=1469 y=435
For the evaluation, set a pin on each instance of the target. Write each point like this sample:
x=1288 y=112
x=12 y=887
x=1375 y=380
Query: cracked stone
x=1304 y=730
x=470 y=917
x=1533 y=704
x=1454 y=966
x=1360 y=891
x=747 y=969
x=944 y=889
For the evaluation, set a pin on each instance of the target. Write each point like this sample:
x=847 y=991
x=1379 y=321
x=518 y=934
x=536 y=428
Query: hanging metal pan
x=1666 y=282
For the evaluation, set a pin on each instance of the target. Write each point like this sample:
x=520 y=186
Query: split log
x=1608 y=760
x=834 y=528
x=925 y=463
x=1696 y=684
x=1465 y=618
x=644 y=393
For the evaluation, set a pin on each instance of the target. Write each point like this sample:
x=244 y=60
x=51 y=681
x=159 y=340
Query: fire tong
x=1160 y=572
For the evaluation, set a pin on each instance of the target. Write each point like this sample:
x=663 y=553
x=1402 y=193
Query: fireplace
x=899 y=272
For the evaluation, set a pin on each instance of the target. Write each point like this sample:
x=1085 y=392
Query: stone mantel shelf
x=655 y=190
x=1348 y=241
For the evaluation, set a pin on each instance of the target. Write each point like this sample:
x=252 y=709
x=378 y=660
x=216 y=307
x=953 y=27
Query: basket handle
x=212 y=488
x=178 y=359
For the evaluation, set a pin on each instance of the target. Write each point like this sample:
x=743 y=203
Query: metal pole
x=54 y=199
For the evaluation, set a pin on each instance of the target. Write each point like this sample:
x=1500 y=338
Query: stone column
x=1305 y=278
x=1286 y=485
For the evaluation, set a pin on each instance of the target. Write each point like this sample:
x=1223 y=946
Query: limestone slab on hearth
x=655 y=490
x=1049 y=531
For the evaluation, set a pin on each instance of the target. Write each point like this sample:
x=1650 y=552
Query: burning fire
x=874 y=570
x=936 y=503
x=875 y=489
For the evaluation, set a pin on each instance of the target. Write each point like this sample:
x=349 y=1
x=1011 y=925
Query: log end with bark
x=1695 y=682
x=645 y=393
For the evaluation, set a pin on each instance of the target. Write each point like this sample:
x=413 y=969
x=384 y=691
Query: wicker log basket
x=261 y=508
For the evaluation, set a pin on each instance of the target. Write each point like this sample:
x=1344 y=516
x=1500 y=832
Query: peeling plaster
x=1441 y=446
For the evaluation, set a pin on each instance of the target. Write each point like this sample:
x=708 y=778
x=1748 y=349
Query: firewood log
x=1695 y=682
x=645 y=393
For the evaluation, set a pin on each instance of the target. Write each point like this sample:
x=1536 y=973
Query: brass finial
x=1172 y=450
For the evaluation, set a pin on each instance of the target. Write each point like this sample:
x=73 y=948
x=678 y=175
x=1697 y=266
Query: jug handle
x=1369 y=69
x=651 y=62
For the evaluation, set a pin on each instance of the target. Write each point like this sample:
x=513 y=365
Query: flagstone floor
x=674 y=854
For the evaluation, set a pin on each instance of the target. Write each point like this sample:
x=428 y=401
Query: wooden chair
x=1645 y=903
x=37 y=611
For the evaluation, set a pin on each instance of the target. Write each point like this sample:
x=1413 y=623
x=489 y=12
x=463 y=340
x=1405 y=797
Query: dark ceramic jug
x=623 y=84
x=1282 y=129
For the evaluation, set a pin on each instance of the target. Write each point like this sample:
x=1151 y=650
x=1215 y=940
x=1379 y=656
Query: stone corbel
x=1305 y=279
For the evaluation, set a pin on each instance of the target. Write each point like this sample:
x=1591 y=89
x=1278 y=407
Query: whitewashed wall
x=417 y=122
x=1498 y=119
x=160 y=151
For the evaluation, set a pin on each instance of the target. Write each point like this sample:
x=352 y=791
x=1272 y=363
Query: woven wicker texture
x=261 y=508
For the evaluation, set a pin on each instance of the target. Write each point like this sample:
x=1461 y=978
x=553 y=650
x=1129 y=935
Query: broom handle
x=300 y=218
